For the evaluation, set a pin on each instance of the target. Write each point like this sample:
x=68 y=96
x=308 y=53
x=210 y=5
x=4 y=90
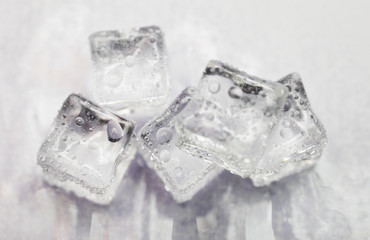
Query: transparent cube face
x=87 y=149
x=129 y=69
x=182 y=172
x=232 y=117
x=296 y=141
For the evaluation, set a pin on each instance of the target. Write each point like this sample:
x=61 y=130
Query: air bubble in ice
x=286 y=133
x=165 y=155
x=130 y=61
x=79 y=121
x=287 y=105
x=164 y=135
x=214 y=87
x=84 y=171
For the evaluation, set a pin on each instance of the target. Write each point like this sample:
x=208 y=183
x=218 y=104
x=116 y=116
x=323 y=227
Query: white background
x=44 y=56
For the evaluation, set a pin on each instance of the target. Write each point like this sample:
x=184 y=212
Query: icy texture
x=44 y=57
x=232 y=118
x=182 y=172
x=129 y=69
x=87 y=150
x=296 y=142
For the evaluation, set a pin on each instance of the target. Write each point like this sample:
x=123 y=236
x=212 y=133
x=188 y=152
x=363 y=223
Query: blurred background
x=44 y=56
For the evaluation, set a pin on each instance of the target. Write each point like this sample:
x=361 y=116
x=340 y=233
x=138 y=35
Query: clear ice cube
x=296 y=142
x=87 y=150
x=129 y=69
x=232 y=117
x=182 y=172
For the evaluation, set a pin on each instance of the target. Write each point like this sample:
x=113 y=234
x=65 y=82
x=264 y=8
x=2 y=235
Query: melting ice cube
x=296 y=142
x=129 y=68
x=232 y=117
x=87 y=150
x=182 y=172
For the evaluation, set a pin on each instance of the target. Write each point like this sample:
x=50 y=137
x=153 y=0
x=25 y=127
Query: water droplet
x=84 y=171
x=286 y=123
x=91 y=129
x=165 y=155
x=42 y=159
x=287 y=105
x=153 y=40
x=79 y=121
x=235 y=92
x=286 y=133
x=130 y=61
x=164 y=135
x=214 y=87
x=114 y=130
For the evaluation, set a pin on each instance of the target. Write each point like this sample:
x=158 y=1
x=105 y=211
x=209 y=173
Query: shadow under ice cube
x=182 y=172
x=87 y=150
x=129 y=69
x=296 y=142
x=232 y=117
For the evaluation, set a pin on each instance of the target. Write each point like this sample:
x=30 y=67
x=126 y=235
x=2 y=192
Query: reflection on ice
x=228 y=208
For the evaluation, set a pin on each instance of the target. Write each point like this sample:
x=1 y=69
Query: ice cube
x=129 y=69
x=232 y=118
x=182 y=172
x=296 y=142
x=87 y=150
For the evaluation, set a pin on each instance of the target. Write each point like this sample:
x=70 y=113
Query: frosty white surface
x=87 y=150
x=296 y=142
x=129 y=68
x=182 y=172
x=232 y=119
